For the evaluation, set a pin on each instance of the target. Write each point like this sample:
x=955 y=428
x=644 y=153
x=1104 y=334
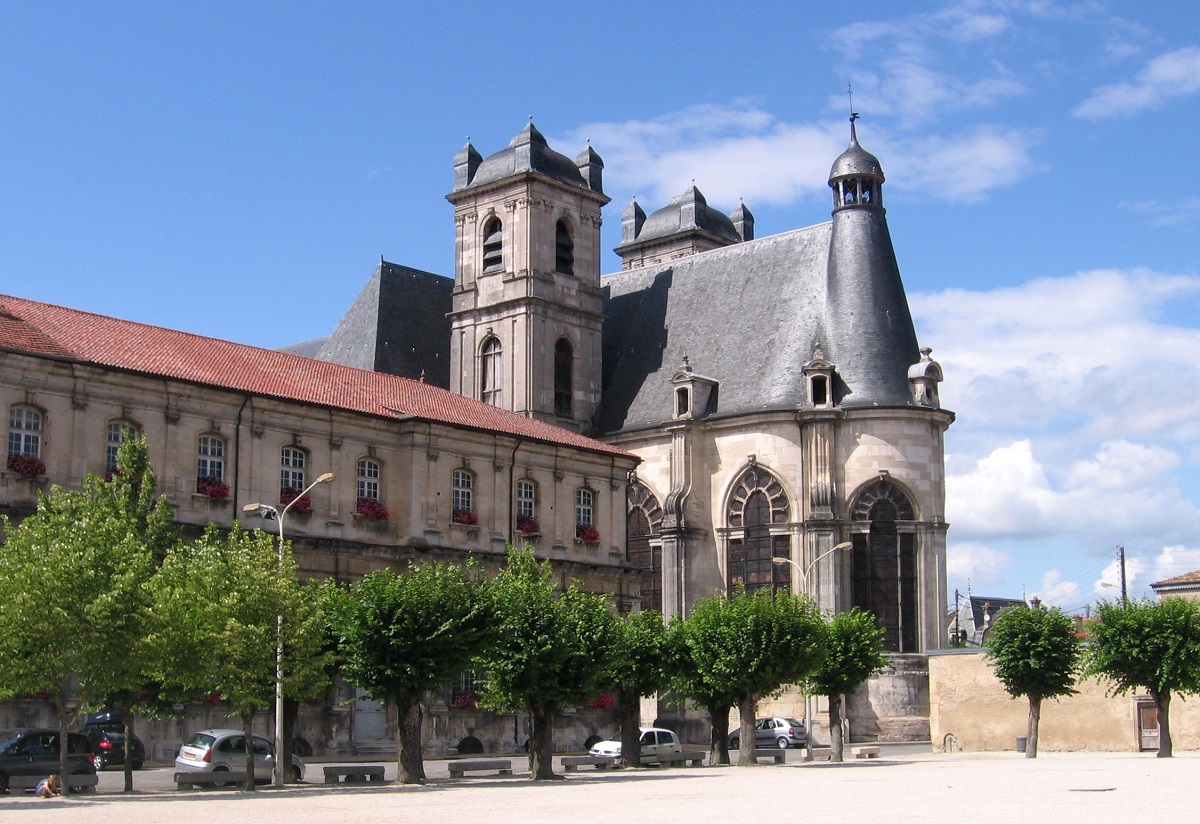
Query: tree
x=218 y=604
x=547 y=650
x=1035 y=653
x=636 y=666
x=854 y=652
x=73 y=591
x=1151 y=645
x=751 y=645
x=687 y=681
x=399 y=636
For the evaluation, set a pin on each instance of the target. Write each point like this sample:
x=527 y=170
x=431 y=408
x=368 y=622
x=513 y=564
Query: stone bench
x=353 y=774
x=216 y=778
x=601 y=762
x=865 y=752
x=780 y=756
x=693 y=757
x=83 y=783
x=501 y=765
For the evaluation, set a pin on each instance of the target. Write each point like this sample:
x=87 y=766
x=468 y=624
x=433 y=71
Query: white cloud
x=1184 y=212
x=1174 y=560
x=1170 y=75
x=1056 y=592
x=982 y=566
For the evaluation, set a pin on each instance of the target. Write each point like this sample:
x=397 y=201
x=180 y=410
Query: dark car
x=773 y=732
x=34 y=752
x=109 y=748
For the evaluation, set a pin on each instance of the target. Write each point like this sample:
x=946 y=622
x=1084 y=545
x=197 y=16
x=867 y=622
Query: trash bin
x=1022 y=741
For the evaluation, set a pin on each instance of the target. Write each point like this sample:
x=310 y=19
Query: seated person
x=49 y=787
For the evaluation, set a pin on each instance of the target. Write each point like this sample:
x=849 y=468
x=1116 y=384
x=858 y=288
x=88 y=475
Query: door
x=370 y=718
x=1147 y=724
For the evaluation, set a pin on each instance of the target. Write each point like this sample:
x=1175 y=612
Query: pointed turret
x=872 y=340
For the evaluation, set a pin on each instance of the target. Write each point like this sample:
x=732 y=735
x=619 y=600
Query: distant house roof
x=44 y=330
x=1187 y=582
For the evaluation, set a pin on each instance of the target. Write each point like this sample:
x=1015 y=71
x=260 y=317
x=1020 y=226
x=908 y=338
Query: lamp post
x=808 y=752
x=268 y=511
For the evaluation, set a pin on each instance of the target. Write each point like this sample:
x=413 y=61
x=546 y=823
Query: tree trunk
x=718 y=747
x=747 y=708
x=291 y=711
x=835 y=728
x=629 y=711
x=128 y=756
x=249 y=745
x=410 y=767
x=64 y=745
x=541 y=744
x=1035 y=717
x=1162 y=701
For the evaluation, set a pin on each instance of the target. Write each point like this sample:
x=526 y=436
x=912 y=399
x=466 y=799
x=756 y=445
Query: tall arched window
x=643 y=523
x=25 y=432
x=462 y=497
x=367 y=485
x=116 y=436
x=884 y=565
x=491 y=372
x=564 y=249
x=758 y=501
x=493 y=246
x=292 y=464
x=564 y=365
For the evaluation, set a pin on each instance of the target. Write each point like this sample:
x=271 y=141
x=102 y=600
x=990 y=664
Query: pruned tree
x=1155 y=646
x=222 y=604
x=547 y=650
x=686 y=680
x=1035 y=653
x=399 y=636
x=853 y=653
x=636 y=666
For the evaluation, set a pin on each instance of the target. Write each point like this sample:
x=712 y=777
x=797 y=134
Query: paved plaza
x=917 y=787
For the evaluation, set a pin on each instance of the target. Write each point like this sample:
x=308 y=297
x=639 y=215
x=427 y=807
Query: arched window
x=493 y=246
x=25 y=432
x=117 y=431
x=564 y=365
x=758 y=501
x=526 y=507
x=292 y=464
x=884 y=565
x=564 y=249
x=462 y=498
x=491 y=372
x=643 y=521
x=368 y=479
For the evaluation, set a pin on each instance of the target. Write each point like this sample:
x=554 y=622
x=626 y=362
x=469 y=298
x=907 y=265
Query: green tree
x=686 y=680
x=73 y=590
x=1155 y=646
x=753 y=645
x=1035 y=652
x=399 y=636
x=636 y=666
x=853 y=653
x=218 y=605
x=547 y=650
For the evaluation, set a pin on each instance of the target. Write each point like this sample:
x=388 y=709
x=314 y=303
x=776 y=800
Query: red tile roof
x=45 y=330
x=1186 y=578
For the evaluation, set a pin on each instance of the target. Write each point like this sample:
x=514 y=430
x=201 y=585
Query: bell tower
x=527 y=306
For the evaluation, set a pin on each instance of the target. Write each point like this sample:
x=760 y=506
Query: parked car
x=654 y=741
x=108 y=747
x=225 y=750
x=35 y=752
x=773 y=732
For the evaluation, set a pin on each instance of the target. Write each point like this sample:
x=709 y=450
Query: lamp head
x=326 y=478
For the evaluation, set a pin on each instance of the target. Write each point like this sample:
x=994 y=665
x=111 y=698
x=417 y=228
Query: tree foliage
x=636 y=666
x=854 y=652
x=399 y=636
x=1154 y=646
x=548 y=649
x=1035 y=653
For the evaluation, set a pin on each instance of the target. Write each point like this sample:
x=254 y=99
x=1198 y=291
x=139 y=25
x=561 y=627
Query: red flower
x=27 y=466
x=371 y=509
x=214 y=488
x=464 y=516
x=527 y=525
x=303 y=503
x=587 y=533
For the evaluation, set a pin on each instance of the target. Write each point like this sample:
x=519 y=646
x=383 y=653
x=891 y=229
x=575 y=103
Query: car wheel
x=295 y=774
x=100 y=763
x=783 y=743
x=89 y=789
x=3 y=783
x=222 y=783
x=735 y=743
x=137 y=765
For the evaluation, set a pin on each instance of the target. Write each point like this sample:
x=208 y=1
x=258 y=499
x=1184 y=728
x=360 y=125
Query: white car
x=654 y=741
x=225 y=750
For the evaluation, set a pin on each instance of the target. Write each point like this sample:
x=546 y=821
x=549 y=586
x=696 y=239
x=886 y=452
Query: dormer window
x=564 y=249
x=493 y=246
x=820 y=390
x=682 y=404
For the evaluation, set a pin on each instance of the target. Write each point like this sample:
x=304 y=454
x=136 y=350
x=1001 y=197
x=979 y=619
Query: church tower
x=871 y=333
x=527 y=306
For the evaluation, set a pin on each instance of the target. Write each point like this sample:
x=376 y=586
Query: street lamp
x=808 y=752
x=268 y=511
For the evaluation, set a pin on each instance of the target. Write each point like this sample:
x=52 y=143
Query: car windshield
x=794 y=722
x=616 y=736
x=7 y=737
x=201 y=741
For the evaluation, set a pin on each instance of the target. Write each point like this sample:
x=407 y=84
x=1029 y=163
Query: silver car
x=225 y=751
x=773 y=732
x=654 y=741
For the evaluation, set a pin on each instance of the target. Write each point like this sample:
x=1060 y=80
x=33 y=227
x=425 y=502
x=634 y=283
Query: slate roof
x=44 y=330
x=747 y=315
x=527 y=152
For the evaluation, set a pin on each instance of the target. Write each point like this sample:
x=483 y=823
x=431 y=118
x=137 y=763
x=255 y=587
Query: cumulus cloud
x=1168 y=76
x=977 y=563
x=1057 y=592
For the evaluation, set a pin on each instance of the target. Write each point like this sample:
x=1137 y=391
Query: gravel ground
x=900 y=786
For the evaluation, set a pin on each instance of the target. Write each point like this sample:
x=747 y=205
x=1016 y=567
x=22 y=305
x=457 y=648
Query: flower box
x=466 y=517
x=371 y=509
x=527 y=525
x=27 y=466
x=214 y=488
x=300 y=503
x=587 y=533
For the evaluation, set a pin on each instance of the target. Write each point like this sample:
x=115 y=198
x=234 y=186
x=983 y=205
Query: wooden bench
x=216 y=778
x=601 y=762
x=779 y=755
x=82 y=783
x=501 y=765
x=865 y=752
x=693 y=757
x=353 y=774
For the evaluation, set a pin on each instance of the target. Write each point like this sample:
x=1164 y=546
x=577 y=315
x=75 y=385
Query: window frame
x=365 y=482
x=293 y=468
x=23 y=438
x=491 y=371
x=462 y=491
x=585 y=507
x=208 y=460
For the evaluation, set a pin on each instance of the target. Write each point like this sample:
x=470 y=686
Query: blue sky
x=238 y=169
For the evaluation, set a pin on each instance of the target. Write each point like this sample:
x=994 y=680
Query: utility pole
x=1121 y=561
